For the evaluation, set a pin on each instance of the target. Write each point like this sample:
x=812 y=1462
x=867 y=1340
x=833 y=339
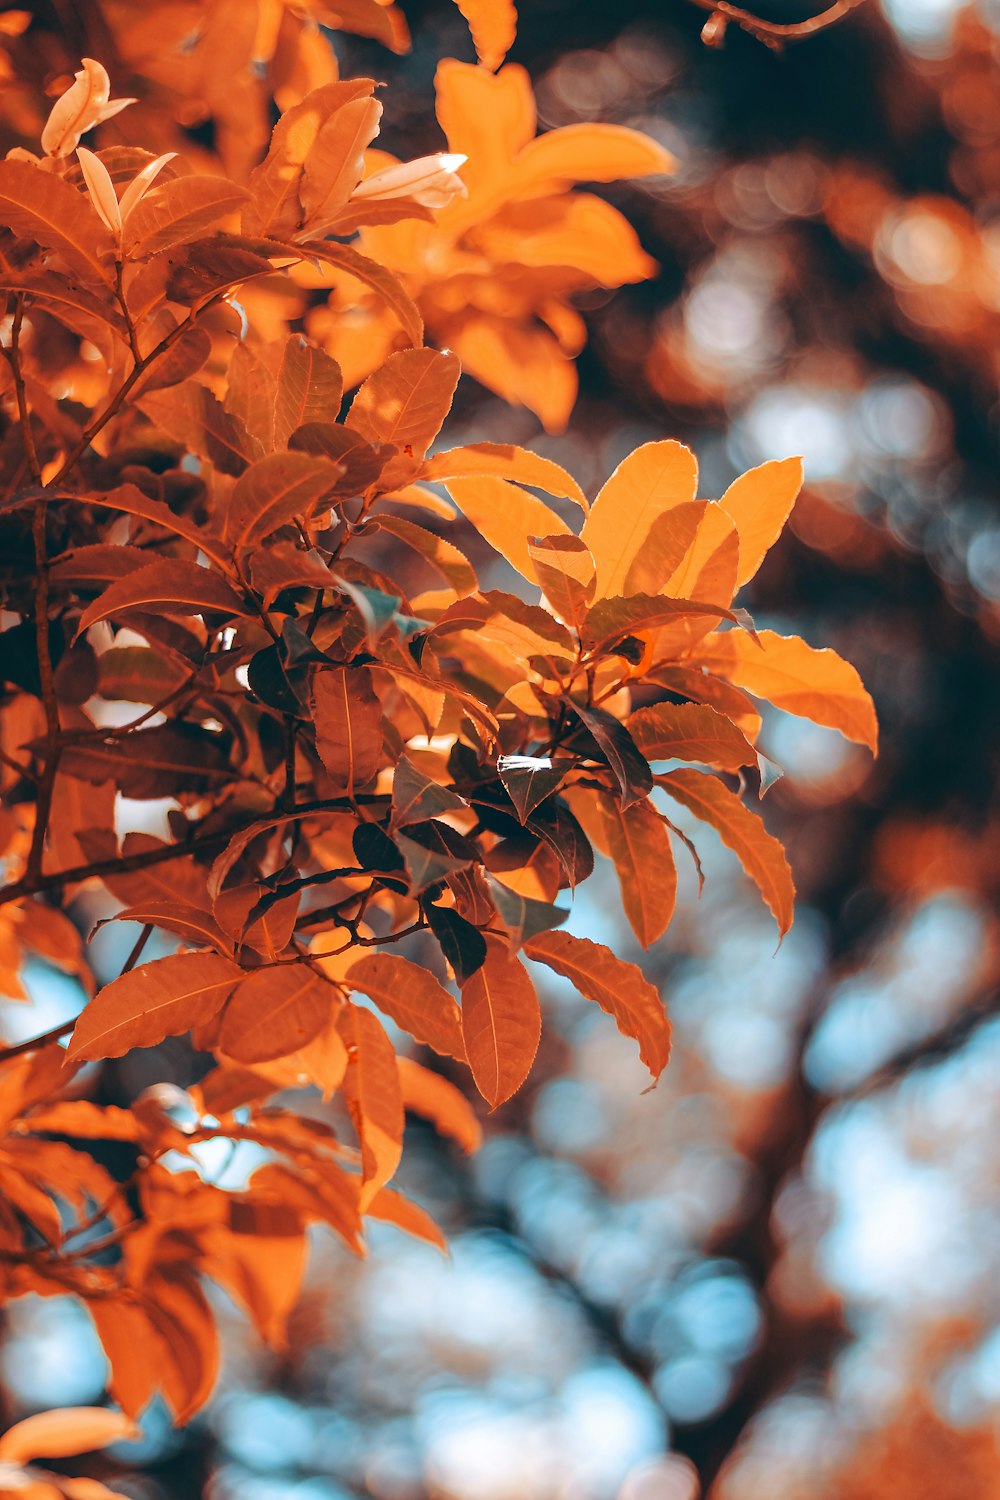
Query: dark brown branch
x=46 y=677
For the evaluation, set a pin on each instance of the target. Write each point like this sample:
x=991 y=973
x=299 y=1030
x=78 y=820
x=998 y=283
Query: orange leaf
x=664 y=549
x=565 y=571
x=129 y=499
x=274 y=490
x=653 y=479
x=132 y=1348
x=794 y=676
x=371 y=1088
x=274 y=1012
x=169 y=586
x=505 y=516
x=620 y=989
x=181 y=1315
x=443 y=556
x=377 y=277
x=690 y=731
x=194 y=416
x=65 y=1433
x=493 y=24
x=639 y=845
x=156 y=1000
x=501 y=1022
x=436 y=1099
x=393 y=1208
x=43 y=207
x=505 y=461
x=179 y=210
x=412 y=998
x=588 y=153
x=760 y=503
x=404 y=403
x=309 y=389
x=348 y=719
x=759 y=853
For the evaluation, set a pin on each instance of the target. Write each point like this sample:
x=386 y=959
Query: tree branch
x=772 y=34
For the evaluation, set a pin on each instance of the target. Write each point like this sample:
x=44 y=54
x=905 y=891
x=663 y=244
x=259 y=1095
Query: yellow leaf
x=506 y=516
x=794 y=676
x=65 y=1433
x=588 y=153
x=493 y=24
x=653 y=479
x=760 y=503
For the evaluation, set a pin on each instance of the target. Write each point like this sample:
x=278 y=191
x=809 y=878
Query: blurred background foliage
x=775 y=1277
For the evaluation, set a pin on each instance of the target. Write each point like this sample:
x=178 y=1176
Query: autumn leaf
x=794 y=676
x=278 y=488
x=493 y=24
x=759 y=852
x=309 y=388
x=411 y=997
x=506 y=516
x=273 y=1012
x=169 y=586
x=373 y=1095
x=436 y=1099
x=43 y=207
x=501 y=1023
x=649 y=482
x=760 y=503
x=690 y=731
x=404 y=403
x=639 y=845
x=156 y=1000
x=619 y=988
x=348 y=719
x=64 y=1433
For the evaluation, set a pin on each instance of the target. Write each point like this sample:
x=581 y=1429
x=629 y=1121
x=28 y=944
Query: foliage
x=233 y=592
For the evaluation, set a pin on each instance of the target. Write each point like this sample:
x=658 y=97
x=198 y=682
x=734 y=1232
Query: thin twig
x=46 y=676
x=772 y=34
x=13 y=357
